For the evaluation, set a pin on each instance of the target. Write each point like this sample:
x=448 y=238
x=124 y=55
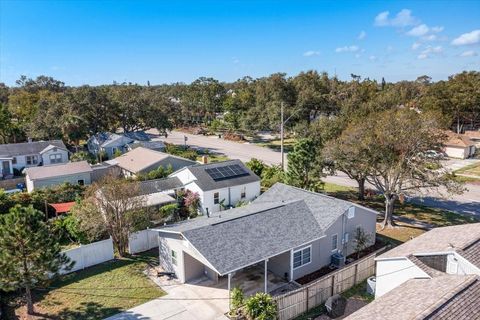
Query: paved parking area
x=202 y=301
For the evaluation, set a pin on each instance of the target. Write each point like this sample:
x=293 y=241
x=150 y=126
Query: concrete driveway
x=199 y=301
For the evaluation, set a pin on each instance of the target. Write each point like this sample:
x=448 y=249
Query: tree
x=362 y=240
x=29 y=254
x=304 y=168
x=116 y=206
x=261 y=306
x=395 y=142
x=349 y=156
x=257 y=166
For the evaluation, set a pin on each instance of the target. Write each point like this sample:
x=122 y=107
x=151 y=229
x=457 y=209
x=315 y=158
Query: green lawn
x=276 y=144
x=99 y=291
x=404 y=231
x=473 y=169
x=214 y=157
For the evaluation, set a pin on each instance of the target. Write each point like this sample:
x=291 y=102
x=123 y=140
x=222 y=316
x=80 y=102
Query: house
x=159 y=192
x=112 y=142
x=287 y=231
x=220 y=184
x=47 y=176
x=474 y=137
x=459 y=146
x=31 y=154
x=442 y=297
x=152 y=145
x=142 y=160
x=453 y=250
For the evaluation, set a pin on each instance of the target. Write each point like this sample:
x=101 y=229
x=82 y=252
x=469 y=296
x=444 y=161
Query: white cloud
x=311 y=53
x=437 y=29
x=358 y=55
x=430 y=37
x=416 y=45
x=430 y=51
x=347 y=49
x=467 y=38
x=419 y=31
x=235 y=60
x=372 y=58
x=362 y=35
x=389 y=48
x=403 y=18
x=469 y=53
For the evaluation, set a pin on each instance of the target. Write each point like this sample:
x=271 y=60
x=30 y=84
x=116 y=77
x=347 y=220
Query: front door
x=5 y=168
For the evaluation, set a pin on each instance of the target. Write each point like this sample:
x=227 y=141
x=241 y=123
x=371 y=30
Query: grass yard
x=276 y=144
x=418 y=213
x=214 y=157
x=99 y=291
x=470 y=173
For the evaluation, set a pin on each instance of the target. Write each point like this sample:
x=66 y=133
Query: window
x=334 y=242
x=14 y=160
x=81 y=182
x=302 y=257
x=243 y=194
x=56 y=158
x=31 y=160
x=346 y=236
x=351 y=213
x=174 y=257
x=216 y=198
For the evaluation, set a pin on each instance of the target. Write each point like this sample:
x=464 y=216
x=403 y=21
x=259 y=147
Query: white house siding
x=46 y=156
x=462 y=266
x=230 y=194
x=393 y=272
x=280 y=264
x=169 y=242
x=457 y=152
x=9 y=171
x=49 y=182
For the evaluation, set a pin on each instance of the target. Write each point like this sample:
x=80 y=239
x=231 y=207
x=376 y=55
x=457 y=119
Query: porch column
x=266 y=275
x=229 y=296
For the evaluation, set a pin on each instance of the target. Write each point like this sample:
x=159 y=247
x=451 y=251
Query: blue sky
x=98 y=42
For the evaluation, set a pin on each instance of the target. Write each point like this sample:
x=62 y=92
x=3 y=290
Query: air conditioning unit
x=338 y=260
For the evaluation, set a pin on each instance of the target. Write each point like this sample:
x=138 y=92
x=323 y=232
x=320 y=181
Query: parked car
x=432 y=154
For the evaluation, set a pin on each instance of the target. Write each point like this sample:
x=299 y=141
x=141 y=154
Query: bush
x=68 y=230
x=261 y=306
x=17 y=173
x=237 y=300
x=257 y=166
x=83 y=156
x=272 y=175
x=181 y=151
x=168 y=210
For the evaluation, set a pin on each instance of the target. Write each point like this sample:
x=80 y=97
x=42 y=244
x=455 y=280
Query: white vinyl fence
x=90 y=254
x=142 y=241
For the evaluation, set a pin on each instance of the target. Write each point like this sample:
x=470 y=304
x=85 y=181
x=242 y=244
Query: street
x=467 y=203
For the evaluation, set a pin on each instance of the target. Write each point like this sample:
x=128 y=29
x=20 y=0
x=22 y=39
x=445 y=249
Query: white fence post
x=140 y=241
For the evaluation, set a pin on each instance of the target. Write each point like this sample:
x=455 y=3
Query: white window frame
x=174 y=256
x=56 y=158
x=216 y=200
x=309 y=247
x=336 y=243
x=33 y=160
x=243 y=193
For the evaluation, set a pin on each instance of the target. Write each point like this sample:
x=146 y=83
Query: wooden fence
x=294 y=303
x=11 y=183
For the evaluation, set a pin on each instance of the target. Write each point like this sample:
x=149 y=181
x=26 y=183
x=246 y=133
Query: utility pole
x=282 y=123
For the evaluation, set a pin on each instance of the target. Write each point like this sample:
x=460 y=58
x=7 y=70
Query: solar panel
x=226 y=172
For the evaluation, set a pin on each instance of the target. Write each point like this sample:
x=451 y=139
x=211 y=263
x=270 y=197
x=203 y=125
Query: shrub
x=257 y=166
x=237 y=300
x=192 y=202
x=168 y=210
x=67 y=227
x=83 y=155
x=261 y=306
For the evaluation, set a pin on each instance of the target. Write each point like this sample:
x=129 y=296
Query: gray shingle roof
x=137 y=135
x=159 y=185
x=27 y=148
x=206 y=182
x=58 y=170
x=251 y=238
x=325 y=209
x=472 y=253
x=426 y=299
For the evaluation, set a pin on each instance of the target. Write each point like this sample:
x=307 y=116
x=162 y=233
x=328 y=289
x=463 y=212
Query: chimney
x=204 y=159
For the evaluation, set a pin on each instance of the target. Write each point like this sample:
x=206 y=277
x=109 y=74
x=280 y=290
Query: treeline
x=44 y=108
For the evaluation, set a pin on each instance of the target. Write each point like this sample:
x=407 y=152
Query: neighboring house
x=459 y=146
x=47 y=176
x=160 y=192
x=31 y=154
x=112 y=142
x=443 y=297
x=220 y=183
x=141 y=160
x=474 y=137
x=152 y=145
x=451 y=250
x=290 y=232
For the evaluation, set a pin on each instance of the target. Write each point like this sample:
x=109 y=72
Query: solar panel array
x=226 y=172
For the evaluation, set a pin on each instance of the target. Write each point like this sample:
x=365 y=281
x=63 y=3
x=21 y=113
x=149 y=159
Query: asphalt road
x=467 y=203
